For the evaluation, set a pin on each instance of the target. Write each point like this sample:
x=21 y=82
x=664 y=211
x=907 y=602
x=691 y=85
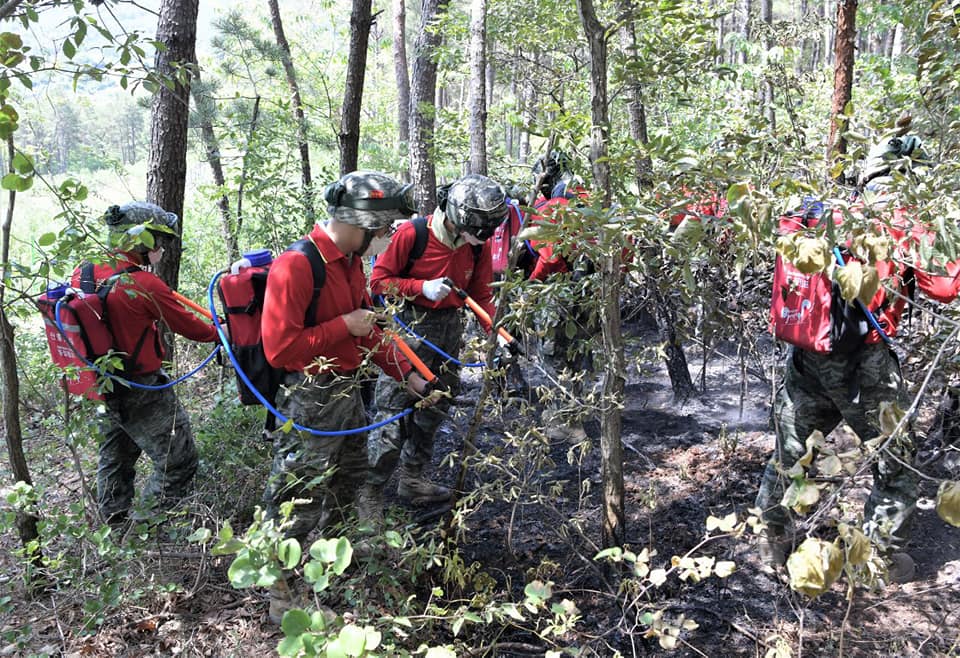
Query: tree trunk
x=12 y=428
x=842 y=76
x=401 y=74
x=676 y=361
x=206 y=110
x=167 y=162
x=422 y=107
x=302 y=144
x=766 y=8
x=477 y=98
x=349 y=138
x=636 y=110
x=613 y=529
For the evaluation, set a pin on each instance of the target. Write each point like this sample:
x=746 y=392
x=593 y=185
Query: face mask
x=155 y=255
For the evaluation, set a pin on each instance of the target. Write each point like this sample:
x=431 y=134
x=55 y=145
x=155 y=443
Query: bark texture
x=842 y=75
x=349 y=138
x=12 y=429
x=477 y=98
x=613 y=529
x=400 y=71
x=423 y=88
x=167 y=163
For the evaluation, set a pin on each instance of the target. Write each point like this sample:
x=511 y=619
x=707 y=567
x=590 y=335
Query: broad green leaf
x=295 y=622
x=352 y=640
x=22 y=164
x=289 y=552
x=343 y=556
x=10 y=181
x=241 y=573
x=69 y=49
x=47 y=239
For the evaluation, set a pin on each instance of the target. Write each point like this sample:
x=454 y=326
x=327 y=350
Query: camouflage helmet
x=550 y=170
x=885 y=154
x=476 y=205
x=128 y=221
x=369 y=199
x=138 y=212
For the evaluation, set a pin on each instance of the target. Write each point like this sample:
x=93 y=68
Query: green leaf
x=200 y=536
x=22 y=164
x=289 y=552
x=10 y=181
x=295 y=622
x=241 y=573
x=290 y=646
x=344 y=554
x=352 y=640
x=69 y=49
x=47 y=239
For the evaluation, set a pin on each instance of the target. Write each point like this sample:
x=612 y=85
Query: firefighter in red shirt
x=558 y=186
x=325 y=363
x=457 y=248
x=138 y=420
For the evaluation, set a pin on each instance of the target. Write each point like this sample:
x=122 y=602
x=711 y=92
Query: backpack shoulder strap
x=319 y=268
x=88 y=284
x=129 y=362
x=419 y=244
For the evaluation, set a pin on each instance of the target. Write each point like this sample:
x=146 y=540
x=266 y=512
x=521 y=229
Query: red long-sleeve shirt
x=473 y=275
x=548 y=262
x=288 y=344
x=137 y=301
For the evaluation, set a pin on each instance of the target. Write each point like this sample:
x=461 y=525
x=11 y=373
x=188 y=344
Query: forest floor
x=682 y=462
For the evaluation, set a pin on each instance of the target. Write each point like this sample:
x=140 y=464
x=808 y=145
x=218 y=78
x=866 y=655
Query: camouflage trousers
x=818 y=392
x=140 y=421
x=322 y=471
x=410 y=440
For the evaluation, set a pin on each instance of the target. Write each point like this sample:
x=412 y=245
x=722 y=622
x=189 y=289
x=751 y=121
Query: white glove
x=435 y=290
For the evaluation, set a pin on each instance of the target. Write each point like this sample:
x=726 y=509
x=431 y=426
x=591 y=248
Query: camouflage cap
x=138 y=213
x=369 y=199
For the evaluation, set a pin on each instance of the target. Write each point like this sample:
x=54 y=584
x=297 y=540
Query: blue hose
x=270 y=408
x=870 y=317
x=435 y=348
x=127 y=382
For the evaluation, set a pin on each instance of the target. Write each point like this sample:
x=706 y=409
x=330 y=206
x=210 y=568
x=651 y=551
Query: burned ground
x=683 y=461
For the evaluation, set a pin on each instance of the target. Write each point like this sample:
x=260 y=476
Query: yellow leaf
x=658 y=577
x=850 y=279
x=869 y=285
x=830 y=466
x=814 y=566
x=812 y=255
x=948 y=503
x=858 y=546
x=724 y=568
x=800 y=496
x=890 y=416
x=668 y=642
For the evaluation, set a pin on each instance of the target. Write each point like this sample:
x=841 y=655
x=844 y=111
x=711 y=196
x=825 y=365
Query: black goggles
x=480 y=232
